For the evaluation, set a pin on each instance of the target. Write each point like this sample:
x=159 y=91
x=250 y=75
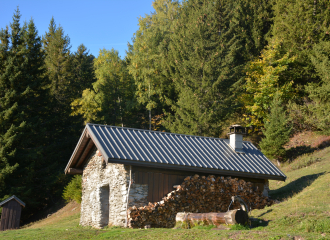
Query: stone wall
x=104 y=193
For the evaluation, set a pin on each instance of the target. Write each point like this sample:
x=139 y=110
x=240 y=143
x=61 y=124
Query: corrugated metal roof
x=10 y=198
x=169 y=150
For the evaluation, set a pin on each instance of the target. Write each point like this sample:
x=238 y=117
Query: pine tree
x=6 y=136
x=82 y=70
x=11 y=124
x=300 y=25
x=23 y=100
x=319 y=93
x=276 y=131
x=146 y=57
x=58 y=61
x=64 y=129
x=209 y=48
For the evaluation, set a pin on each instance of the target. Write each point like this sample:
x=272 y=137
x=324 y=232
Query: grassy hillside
x=303 y=211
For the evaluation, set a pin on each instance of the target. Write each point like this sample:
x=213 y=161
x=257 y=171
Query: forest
x=194 y=67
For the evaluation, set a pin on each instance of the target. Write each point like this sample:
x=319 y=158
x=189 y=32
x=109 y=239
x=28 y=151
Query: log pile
x=197 y=195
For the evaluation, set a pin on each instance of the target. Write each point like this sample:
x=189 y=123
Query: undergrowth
x=73 y=190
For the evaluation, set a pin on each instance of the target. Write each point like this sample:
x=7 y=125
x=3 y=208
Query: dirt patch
x=305 y=143
x=308 y=139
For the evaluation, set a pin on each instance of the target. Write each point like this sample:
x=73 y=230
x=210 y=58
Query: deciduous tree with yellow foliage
x=264 y=77
x=112 y=95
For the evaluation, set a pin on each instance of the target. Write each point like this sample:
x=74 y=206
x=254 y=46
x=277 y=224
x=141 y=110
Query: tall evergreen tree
x=57 y=48
x=82 y=70
x=146 y=57
x=65 y=129
x=7 y=131
x=23 y=99
x=209 y=47
x=11 y=87
x=300 y=25
x=276 y=131
x=319 y=93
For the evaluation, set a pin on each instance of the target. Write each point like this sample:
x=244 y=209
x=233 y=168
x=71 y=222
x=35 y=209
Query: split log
x=236 y=216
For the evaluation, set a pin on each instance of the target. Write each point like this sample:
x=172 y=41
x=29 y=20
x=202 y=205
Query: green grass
x=304 y=211
x=239 y=227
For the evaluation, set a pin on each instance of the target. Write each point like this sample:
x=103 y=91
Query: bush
x=73 y=190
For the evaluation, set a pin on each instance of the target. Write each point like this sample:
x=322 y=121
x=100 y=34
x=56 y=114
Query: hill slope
x=305 y=196
x=304 y=211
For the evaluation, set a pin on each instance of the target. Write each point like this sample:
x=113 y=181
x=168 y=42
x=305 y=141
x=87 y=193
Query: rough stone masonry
x=105 y=191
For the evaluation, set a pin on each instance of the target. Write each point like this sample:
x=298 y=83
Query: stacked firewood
x=197 y=195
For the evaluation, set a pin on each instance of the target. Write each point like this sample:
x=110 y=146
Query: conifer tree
x=7 y=136
x=58 y=61
x=146 y=57
x=11 y=124
x=64 y=128
x=82 y=70
x=276 y=131
x=23 y=97
x=319 y=93
x=209 y=47
x=300 y=25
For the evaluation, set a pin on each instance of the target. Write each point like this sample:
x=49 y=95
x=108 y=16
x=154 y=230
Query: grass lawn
x=304 y=211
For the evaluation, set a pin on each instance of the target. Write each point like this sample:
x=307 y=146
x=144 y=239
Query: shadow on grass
x=294 y=187
x=268 y=211
x=259 y=223
x=295 y=152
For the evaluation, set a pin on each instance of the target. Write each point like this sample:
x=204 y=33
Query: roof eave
x=11 y=198
x=197 y=169
x=69 y=165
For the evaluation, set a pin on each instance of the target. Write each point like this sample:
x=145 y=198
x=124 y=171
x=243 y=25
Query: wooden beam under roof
x=82 y=146
x=90 y=144
x=75 y=171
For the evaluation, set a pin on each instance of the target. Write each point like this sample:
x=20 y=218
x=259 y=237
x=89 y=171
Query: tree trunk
x=236 y=216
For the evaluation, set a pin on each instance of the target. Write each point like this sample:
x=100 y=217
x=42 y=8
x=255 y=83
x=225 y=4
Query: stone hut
x=125 y=167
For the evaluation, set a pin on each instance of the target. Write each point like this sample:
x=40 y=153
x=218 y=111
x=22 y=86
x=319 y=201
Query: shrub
x=73 y=190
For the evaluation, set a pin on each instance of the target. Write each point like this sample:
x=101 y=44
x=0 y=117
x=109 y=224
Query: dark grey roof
x=178 y=151
x=10 y=198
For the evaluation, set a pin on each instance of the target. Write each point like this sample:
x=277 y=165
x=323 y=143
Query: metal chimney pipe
x=236 y=137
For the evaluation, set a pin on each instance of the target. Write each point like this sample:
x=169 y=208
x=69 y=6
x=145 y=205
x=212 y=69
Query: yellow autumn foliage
x=264 y=77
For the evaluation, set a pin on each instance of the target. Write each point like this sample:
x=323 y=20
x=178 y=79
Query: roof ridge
x=11 y=198
x=146 y=130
